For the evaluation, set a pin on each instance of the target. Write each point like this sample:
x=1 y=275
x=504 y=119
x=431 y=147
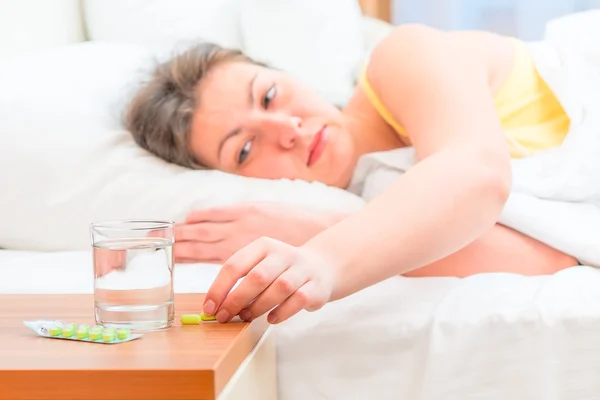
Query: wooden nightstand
x=208 y=361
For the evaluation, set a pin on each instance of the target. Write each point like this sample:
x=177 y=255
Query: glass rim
x=133 y=224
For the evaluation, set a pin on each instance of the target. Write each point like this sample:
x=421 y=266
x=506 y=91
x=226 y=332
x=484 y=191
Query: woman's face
x=258 y=122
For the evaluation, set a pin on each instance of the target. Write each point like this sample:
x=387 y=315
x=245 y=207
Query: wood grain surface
x=183 y=362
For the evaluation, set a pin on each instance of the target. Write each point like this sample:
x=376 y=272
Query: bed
x=494 y=336
x=490 y=336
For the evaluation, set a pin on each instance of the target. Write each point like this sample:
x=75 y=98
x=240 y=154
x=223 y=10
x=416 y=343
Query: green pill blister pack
x=81 y=333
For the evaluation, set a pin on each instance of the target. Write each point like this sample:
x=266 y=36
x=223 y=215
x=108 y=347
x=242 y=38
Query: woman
x=467 y=101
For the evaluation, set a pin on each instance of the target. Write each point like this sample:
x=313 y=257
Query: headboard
x=380 y=9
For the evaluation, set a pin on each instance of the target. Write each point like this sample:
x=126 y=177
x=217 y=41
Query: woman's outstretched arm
x=440 y=92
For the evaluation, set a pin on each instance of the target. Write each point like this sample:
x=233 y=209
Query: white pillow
x=163 y=25
x=321 y=42
x=66 y=161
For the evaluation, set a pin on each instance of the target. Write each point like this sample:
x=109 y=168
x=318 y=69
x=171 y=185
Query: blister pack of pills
x=82 y=333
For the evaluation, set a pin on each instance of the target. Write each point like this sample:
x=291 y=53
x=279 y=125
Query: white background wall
x=37 y=24
x=522 y=18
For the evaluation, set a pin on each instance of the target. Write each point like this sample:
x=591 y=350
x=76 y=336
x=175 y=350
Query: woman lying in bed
x=467 y=101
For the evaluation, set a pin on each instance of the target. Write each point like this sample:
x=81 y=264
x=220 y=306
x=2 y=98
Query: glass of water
x=133 y=274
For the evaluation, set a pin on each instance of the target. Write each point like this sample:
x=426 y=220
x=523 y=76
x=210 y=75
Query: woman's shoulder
x=415 y=57
x=419 y=35
x=404 y=53
x=418 y=70
x=408 y=40
x=418 y=43
x=412 y=54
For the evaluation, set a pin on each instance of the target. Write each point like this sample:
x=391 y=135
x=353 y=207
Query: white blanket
x=556 y=193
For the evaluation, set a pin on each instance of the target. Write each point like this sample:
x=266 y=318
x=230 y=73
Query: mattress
x=489 y=336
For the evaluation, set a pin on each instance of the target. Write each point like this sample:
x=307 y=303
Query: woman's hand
x=276 y=276
x=214 y=235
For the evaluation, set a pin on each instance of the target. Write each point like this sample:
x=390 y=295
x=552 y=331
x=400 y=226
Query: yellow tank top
x=530 y=114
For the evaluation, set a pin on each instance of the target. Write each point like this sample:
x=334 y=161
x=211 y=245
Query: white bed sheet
x=72 y=272
x=493 y=336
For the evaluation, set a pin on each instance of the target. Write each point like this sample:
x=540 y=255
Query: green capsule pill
x=95 y=335
x=190 y=319
x=56 y=331
x=123 y=333
x=82 y=333
x=69 y=330
x=108 y=336
x=205 y=317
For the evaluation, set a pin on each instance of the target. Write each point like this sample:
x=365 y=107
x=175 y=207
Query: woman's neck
x=369 y=131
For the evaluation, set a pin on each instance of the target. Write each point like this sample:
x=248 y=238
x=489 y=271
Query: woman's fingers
x=300 y=300
x=235 y=268
x=208 y=232
x=280 y=290
x=279 y=278
x=265 y=277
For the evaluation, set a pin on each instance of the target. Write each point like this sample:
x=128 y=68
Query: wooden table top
x=183 y=362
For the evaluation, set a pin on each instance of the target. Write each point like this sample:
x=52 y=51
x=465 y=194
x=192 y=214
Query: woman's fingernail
x=209 y=308
x=222 y=316
x=245 y=315
x=272 y=319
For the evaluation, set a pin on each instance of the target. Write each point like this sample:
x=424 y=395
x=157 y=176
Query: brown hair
x=160 y=114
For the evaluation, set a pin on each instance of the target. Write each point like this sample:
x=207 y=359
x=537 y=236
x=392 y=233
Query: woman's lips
x=317 y=146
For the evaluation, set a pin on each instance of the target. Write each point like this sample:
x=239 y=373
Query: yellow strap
x=385 y=114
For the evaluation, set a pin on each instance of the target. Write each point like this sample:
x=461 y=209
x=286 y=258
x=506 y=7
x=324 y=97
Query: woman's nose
x=290 y=132
x=282 y=129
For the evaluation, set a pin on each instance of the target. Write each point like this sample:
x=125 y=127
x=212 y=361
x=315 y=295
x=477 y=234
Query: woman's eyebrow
x=237 y=130
x=250 y=91
x=226 y=138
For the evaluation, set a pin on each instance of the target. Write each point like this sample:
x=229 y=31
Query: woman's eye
x=244 y=152
x=269 y=96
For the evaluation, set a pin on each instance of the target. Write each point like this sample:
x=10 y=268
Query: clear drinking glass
x=133 y=274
